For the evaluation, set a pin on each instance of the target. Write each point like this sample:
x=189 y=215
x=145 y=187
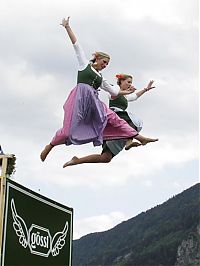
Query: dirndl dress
x=119 y=106
x=88 y=119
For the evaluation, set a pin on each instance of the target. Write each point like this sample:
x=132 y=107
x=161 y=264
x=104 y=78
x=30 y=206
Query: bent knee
x=107 y=158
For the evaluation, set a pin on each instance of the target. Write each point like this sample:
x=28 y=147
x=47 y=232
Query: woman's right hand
x=127 y=91
x=65 y=22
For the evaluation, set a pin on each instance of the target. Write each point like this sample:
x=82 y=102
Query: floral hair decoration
x=123 y=76
x=120 y=76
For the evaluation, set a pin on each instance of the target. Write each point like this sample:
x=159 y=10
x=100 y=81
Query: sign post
x=3 y=164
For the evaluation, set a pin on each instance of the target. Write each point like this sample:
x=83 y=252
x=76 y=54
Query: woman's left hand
x=149 y=86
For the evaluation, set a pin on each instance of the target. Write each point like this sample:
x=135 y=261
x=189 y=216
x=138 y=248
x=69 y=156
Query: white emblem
x=19 y=226
x=38 y=238
x=59 y=241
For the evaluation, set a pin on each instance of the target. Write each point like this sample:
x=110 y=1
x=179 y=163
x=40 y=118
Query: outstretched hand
x=149 y=86
x=65 y=22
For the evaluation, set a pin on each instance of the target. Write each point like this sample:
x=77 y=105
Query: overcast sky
x=155 y=39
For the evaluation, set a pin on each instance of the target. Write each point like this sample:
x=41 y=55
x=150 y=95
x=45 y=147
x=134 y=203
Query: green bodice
x=90 y=77
x=120 y=102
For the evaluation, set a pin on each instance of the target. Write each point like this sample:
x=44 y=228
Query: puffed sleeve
x=80 y=54
x=131 y=97
x=113 y=90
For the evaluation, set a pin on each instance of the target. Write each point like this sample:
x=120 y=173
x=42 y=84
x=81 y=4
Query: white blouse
x=83 y=62
x=130 y=97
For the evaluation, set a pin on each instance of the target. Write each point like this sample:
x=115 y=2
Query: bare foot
x=145 y=140
x=46 y=151
x=132 y=144
x=73 y=161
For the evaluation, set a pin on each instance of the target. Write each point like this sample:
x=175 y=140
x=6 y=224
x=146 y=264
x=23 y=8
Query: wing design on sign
x=58 y=241
x=19 y=226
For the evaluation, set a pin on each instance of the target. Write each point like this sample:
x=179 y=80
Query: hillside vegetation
x=150 y=238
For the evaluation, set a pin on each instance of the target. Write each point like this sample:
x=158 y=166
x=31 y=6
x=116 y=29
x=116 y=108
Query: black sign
x=37 y=230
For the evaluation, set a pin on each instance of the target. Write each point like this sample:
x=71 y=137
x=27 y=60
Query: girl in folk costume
x=85 y=116
x=119 y=105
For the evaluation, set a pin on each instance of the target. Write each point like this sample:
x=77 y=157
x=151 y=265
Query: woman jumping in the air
x=118 y=104
x=85 y=116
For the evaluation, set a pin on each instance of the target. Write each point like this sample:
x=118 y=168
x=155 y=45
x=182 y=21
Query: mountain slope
x=150 y=238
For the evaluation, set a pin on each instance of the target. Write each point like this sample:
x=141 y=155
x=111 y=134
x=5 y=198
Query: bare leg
x=46 y=151
x=144 y=140
x=105 y=157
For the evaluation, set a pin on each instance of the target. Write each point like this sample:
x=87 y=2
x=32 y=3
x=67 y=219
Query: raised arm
x=137 y=93
x=80 y=54
x=149 y=87
x=65 y=24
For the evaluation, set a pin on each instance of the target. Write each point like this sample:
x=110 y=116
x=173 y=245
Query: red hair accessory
x=119 y=76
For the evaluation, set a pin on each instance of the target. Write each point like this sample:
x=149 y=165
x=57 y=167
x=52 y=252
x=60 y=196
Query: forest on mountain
x=151 y=238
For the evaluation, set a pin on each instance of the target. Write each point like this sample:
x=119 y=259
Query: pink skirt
x=88 y=119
